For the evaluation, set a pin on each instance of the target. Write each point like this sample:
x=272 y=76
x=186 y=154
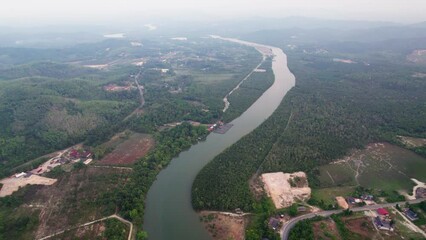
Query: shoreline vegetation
x=334 y=108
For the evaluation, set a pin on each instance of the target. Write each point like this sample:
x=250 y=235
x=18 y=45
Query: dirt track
x=93 y=222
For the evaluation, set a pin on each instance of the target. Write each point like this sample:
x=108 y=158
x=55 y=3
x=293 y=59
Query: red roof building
x=382 y=211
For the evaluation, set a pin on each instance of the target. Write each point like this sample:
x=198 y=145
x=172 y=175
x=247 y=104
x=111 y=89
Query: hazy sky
x=98 y=11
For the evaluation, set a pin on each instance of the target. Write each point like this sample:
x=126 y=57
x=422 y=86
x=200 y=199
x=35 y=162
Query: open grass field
x=379 y=166
x=213 y=78
x=328 y=195
x=128 y=149
x=337 y=174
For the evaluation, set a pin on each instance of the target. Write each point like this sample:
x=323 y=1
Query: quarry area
x=286 y=188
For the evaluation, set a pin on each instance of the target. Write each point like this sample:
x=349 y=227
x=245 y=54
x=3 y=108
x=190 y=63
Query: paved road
x=225 y=99
x=93 y=222
x=142 y=99
x=290 y=224
x=113 y=167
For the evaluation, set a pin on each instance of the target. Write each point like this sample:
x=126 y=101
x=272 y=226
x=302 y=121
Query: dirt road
x=96 y=221
x=142 y=99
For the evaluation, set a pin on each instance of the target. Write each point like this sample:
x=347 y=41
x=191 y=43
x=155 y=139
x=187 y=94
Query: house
x=86 y=154
x=301 y=209
x=89 y=160
x=74 y=153
x=383 y=212
x=22 y=174
x=274 y=223
x=238 y=211
x=352 y=200
x=421 y=192
x=367 y=197
x=410 y=214
x=382 y=224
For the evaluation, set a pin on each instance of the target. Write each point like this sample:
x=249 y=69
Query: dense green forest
x=302 y=231
x=334 y=107
x=43 y=114
x=49 y=105
x=17 y=223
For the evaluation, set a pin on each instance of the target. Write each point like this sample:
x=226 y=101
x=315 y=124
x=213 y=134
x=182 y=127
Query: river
x=169 y=214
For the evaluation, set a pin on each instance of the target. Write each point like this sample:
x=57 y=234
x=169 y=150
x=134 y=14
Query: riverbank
x=169 y=213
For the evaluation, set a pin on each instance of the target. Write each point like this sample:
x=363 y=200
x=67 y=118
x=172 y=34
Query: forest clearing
x=12 y=184
x=286 y=188
x=224 y=225
x=130 y=150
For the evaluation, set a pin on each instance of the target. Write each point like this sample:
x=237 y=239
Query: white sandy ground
x=99 y=66
x=411 y=141
x=13 y=184
x=278 y=187
x=342 y=202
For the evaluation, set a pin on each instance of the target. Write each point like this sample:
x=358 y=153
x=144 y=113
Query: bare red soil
x=129 y=151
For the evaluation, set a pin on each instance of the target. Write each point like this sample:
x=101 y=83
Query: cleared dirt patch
x=326 y=229
x=72 y=200
x=342 y=202
x=286 y=188
x=362 y=226
x=224 y=226
x=13 y=184
x=130 y=150
x=412 y=142
x=417 y=56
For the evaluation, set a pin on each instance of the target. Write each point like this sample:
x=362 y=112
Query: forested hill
x=336 y=105
x=51 y=99
x=45 y=69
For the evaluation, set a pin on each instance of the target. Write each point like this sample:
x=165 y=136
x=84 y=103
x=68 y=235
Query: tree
x=141 y=235
x=292 y=210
